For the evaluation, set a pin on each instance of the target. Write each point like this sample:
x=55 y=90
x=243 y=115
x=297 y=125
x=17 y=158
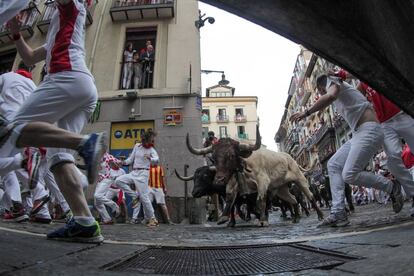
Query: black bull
x=204 y=185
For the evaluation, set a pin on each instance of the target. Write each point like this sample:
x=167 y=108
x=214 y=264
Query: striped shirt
x=156 y=177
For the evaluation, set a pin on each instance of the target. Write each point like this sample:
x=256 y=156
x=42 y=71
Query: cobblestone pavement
x=368 y=217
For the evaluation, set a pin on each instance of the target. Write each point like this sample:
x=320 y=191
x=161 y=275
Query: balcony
x=29 y=17
x=123 y=10
x=243 y=136
x=240 y=118
x=50 y=6
x=318 y=135
x=222 y=118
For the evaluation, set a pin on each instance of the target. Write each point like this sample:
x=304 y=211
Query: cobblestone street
x=374 y=231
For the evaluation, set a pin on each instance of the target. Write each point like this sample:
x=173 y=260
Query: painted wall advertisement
x=125 y=135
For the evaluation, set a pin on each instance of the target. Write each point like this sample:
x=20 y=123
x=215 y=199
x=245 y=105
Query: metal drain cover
x=228 y=261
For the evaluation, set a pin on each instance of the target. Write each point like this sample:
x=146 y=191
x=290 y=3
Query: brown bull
x=271 y=171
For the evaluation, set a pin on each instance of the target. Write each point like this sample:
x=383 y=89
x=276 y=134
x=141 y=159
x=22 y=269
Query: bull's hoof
x=296 y=220
x=231 y=224
x=320 y=217
x=263 y=223
x=222 y=219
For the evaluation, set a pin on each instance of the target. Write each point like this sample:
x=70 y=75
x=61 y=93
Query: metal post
x=186 y=166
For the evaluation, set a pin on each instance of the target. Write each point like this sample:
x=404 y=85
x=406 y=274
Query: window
x=138 y=58
x=6 y=61
x=222 y=115
x=239 y=111
x=223 y=132
x=241 y=132
x=205 y=116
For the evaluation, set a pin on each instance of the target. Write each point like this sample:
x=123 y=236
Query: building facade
x=228 y=115
x=316 y=138
x=138 y=89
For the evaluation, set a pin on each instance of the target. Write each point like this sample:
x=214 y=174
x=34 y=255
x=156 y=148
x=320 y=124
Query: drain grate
x=228 y=261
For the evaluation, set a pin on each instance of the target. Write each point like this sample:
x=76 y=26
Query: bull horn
x=184 y=178
x=212 y=168
x=197 y=151
x=256 y=146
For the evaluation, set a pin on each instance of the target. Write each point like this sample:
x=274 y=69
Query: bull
x=270 y=171
x=203 y=185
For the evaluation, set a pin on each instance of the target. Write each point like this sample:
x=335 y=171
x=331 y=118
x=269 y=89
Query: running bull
x=270 y=171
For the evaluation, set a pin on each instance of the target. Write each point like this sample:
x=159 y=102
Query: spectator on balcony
x=147 y=59
x=143 y=50
x=137 y=68
x=211 y=140
x=204 y=117
x=127 y=66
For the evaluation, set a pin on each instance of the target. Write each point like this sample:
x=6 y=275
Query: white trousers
x=399 y=126
x=348 y=163
x=101 y=199
x=140 y=179
x=126 y=82
x=10 y=8
x=412 y=172
x=67 y=99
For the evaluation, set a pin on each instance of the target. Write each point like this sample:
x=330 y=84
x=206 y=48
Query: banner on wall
x=125 y=135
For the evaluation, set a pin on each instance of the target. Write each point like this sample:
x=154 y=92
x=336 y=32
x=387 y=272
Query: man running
x=348 y=163
x=67 y=97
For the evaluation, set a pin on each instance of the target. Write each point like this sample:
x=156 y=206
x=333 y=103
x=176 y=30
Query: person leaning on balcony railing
x=127 y=66
x=147 y=59
x=348 y=163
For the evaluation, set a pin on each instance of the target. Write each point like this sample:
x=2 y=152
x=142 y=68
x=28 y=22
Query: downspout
x=95 y=40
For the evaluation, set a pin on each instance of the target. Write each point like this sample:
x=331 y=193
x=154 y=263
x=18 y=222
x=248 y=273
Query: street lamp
x=223 y=80
x=201 y=20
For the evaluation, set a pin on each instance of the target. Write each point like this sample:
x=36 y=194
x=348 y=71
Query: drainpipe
x=95 y=40
x=186 y=166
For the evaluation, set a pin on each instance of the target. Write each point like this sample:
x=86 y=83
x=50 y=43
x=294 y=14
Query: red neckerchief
x=24 y=73
x=148 y=146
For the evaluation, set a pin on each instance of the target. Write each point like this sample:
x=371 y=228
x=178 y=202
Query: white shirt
x=137 y=157
x=115 y=173
x=350 y=104
x=65 y=41
x=14 y=90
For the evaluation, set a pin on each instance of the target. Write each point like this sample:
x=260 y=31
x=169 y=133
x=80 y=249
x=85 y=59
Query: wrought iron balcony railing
x=243 y=136
x=28 y=17
x=240 y=118
x=222 y=118
x=50 y=7
x=123 y=10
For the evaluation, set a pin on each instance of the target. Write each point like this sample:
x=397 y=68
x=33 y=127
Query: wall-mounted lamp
x=201 y=20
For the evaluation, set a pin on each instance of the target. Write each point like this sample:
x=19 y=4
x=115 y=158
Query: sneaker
x=396 y=196
x=135 y=203
x=135 y=221
x=17 y=213
x=75 y=232
x=152 y=222
x=42 y=220
x=38 y=204
x=33 y=157
x=109 y=222
x=335 y=220
x=92 y=151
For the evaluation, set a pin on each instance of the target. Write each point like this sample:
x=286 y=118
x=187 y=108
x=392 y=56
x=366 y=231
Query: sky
x=256 y=61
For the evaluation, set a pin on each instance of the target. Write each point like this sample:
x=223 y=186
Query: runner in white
x=348 y=163
x=67 y=97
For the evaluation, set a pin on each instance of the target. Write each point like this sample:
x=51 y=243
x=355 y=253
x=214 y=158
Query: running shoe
x=76 y=232
x=397 y=196
x=152 y=222
x=33 y=157
x=109 y=222
x=335 y=220
x=17 y=213
x=38 y=204
x=42 y=220
x=92 y=150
